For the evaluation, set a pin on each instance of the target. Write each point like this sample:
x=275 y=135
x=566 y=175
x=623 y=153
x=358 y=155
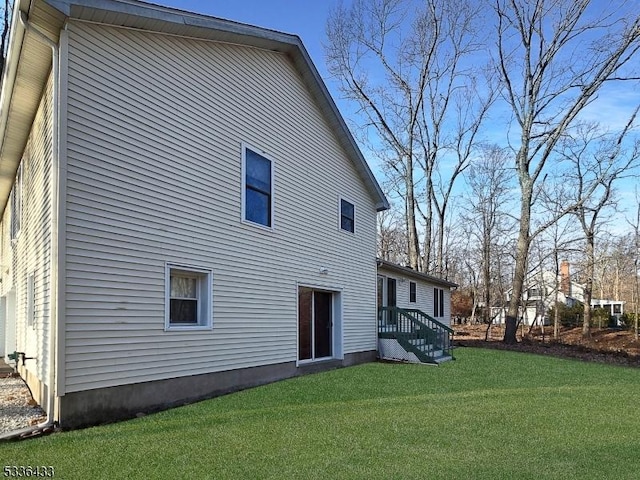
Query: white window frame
x=245 y=147
x=337 y=312
x=415 y=292
x=204 y=292
x=348 y=200
x=438 y=302
x=16 y=205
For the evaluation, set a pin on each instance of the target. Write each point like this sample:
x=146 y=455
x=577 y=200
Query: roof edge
x=262 y=37
x=134 y=13
x=14 y=49
x=413 y=273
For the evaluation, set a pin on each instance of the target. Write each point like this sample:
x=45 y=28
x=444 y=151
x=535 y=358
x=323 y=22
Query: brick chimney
x=565 y=278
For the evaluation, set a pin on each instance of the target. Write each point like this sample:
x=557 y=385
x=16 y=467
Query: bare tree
x=366 y=37
x=488 y=224
x=391 y=238
x=553 y=57
x=598 y=160
x=561 y=238
x=457 y=101
x=406 y=65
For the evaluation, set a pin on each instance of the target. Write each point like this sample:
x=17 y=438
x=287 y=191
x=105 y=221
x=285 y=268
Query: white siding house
x=544 y=288
x=195 y=216
x=414 y=315
x=408 y=289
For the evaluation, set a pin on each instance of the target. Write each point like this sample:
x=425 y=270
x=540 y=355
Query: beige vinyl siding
x=155 y=131
x=30 y=252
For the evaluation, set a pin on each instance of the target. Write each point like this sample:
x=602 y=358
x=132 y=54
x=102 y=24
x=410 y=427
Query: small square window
x=188 y=298
x=347 y=216
x=257 y=188
x=412 y=292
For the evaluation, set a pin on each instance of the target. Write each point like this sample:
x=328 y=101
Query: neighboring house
x=545 y=288
x=185 y=213
x=415 y=301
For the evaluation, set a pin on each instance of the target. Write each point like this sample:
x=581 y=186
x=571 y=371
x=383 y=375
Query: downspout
x=49 y=422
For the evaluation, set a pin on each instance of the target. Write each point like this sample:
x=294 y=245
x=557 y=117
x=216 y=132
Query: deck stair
x=414 y=336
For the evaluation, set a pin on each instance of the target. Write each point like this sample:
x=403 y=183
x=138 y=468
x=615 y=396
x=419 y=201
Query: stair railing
x=417 y=328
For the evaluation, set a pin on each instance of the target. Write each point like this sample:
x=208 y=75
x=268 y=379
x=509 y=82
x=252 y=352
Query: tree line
x=481 y=117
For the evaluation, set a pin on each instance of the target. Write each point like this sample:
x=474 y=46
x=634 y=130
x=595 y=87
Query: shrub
x=629 y=320
x=569 y=316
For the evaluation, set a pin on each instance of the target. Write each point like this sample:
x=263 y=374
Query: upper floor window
x=347 y=216
x=533 y=292
x=412 y=292
x=257 y=188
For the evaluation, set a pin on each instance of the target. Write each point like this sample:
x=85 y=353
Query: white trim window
x=347 y=216
x=412 y=292
x=188 y=298
x=16 y=205
x=257 y=188
x=438 y=302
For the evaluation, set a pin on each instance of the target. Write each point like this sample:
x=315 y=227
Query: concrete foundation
x=39 y=389
x=104 y=405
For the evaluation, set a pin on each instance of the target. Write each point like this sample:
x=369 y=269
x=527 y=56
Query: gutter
x=49 y=423
x=16 y=37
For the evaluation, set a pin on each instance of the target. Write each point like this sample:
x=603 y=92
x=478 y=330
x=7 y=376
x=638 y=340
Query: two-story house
x=184 y=211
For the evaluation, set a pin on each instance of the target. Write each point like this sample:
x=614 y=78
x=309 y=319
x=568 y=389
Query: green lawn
x=490 y=414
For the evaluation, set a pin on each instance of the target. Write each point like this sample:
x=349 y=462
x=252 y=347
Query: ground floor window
x=188 y=298
x=438 y=302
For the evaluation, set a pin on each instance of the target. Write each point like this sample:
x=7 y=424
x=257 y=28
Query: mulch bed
x=578 y=352
x=609 y=346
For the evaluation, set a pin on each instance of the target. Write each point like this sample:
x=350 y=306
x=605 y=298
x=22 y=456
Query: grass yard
x=490 y=414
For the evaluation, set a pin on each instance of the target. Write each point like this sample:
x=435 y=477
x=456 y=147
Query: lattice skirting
x=390 y=349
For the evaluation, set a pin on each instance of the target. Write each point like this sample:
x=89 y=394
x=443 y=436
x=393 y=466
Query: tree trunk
x=637 y=314
x=588 y=286
x=556 y=311
x=522 y=253
x=486 y=277
x=426 y=249
x=412 y=231
x=428 y=220
x=440 y=246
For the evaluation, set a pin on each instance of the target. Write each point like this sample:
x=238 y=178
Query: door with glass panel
x=315 y=324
